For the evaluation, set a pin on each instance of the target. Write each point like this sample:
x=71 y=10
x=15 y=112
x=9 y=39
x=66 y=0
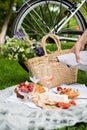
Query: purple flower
x=19 y=34
x=39 y=51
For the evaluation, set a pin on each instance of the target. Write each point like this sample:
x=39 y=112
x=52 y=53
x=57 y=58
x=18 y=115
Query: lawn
x=11 y=73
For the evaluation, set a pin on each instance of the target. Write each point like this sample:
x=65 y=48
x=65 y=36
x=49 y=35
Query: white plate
x=80 y=87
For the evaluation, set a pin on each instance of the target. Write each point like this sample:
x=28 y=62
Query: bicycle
x=61 y=17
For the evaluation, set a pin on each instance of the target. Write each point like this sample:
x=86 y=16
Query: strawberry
x=24 y=89
x=73 y=102
x=65 y=106
x=59 y=104
x=31 y=88
x=22 y=84
x=59 y=88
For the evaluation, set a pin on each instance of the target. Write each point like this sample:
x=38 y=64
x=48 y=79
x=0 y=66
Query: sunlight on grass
x=11 y=73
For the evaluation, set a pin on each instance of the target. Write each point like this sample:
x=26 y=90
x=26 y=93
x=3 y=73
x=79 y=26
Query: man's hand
x=79 y=46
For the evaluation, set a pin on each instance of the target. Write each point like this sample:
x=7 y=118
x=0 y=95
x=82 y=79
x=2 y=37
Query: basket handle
x=54 y=37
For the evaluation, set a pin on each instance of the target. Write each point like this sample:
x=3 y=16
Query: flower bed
x=20 y=48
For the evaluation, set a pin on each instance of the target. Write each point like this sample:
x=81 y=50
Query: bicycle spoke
x=56 y=27
x=50 y=15
x=32 y=27
x=40 y=17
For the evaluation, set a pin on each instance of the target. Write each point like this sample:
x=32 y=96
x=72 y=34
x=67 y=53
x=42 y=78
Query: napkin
x=70 y=60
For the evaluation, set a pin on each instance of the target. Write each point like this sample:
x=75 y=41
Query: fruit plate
x=81 y=88
x=24 y=89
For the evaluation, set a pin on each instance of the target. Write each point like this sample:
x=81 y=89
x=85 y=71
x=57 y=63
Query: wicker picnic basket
x=62 y=74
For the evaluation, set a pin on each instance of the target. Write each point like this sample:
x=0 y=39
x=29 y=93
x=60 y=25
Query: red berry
x=59 y=88
x=22 y=89
x=22 y=84
x=59 y=104
x=73 y=102
x=26 y=90
x=31 y=88
x=65 y=106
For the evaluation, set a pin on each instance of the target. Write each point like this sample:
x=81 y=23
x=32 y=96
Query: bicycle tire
x=46 y=24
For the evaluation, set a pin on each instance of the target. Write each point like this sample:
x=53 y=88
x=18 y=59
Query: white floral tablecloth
x=19 y=116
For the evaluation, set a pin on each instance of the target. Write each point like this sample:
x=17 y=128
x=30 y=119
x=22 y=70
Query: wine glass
x=46 y=74
x=35 y=77
x=43 y=73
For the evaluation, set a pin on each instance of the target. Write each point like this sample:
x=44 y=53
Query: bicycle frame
x=25 y=3
x=72 y=14
x=59 y=26
x=63 y=23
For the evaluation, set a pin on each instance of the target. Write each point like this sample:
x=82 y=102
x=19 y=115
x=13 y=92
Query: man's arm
x=80 y=44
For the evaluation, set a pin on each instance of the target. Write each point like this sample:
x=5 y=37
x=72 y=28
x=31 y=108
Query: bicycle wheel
x=39 y=17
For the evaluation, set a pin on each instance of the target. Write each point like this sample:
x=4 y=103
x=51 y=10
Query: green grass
x=78 y=126
x=11 y=73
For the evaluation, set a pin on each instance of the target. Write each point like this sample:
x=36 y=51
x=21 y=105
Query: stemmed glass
x=35 y=78
x=43 y=74
x=46 y=75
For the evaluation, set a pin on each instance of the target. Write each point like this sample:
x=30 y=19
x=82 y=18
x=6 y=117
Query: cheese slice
x=56 y=97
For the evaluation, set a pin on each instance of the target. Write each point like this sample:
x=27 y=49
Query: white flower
x=21 y=49
x=27 y=50
x=16 y=57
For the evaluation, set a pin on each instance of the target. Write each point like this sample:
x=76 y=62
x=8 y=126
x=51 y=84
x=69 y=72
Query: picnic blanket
x=18 y=116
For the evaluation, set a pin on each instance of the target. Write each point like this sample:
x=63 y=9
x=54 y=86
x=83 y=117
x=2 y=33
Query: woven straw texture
x=62 y=74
